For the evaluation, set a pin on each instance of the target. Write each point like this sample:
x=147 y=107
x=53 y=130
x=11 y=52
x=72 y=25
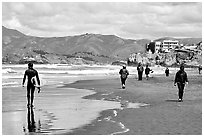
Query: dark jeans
x=140 y=75
x=123 y=80
x=181 y=89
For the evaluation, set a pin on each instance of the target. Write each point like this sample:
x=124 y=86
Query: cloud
x=128 y=20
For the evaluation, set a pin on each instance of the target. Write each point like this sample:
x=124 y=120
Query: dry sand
x=164 y=115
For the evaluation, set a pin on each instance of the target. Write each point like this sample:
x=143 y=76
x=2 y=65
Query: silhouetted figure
x=31 y=73
x=140 y=70
x=199 y=69
x=181 y=79
x=167 y=71
x=31 y=120
x=147 y=71
x=123 y=75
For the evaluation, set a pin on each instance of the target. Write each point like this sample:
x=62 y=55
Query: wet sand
x=163 y=116
x=143 y=108
x=56 y=111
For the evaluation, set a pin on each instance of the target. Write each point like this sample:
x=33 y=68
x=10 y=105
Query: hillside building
x=167 y=45
x=157 y=46
x=162 y=46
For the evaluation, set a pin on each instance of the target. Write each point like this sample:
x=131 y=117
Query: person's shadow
x=32 y=126
x=31 y=120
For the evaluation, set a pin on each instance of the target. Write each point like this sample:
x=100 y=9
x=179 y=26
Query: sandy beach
x=163 y=116
x=96 y=105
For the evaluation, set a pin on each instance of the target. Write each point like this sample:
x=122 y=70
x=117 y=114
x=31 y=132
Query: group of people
x=124 y=73
x=181 y=78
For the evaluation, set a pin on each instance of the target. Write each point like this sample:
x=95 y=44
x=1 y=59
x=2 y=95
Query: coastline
x=54 y=108
x=142 y=102
x=163 y=116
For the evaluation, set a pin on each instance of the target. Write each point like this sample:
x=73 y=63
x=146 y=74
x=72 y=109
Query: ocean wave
x=79 y=69
x=8 y=70
x=10 y=84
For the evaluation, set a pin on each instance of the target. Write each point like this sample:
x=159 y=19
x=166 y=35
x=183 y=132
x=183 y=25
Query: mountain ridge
x=16 y=46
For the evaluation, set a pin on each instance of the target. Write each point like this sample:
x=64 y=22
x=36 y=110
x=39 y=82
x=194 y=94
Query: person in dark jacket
x=167 y=71
x=181 y=79
x=31 y=73
x=123 y=75
x=140 y=70
x=199 y=69
x=147 y=71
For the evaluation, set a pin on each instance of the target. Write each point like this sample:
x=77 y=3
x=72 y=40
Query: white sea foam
x=50 y=71
x=10 y=84
x=78 y=69
x=8 y=70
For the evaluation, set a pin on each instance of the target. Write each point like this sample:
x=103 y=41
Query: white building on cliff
x=167 y=45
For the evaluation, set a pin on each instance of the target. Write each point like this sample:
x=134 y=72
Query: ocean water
x=57 y=110
x=53 y=74
x=56 y=73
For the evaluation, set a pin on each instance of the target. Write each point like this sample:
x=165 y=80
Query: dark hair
x=30 y=65
x=182 y=67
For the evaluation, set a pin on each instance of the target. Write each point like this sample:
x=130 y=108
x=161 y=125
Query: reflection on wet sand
x=32 y=127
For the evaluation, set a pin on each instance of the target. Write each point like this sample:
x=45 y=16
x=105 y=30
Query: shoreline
x=51 y=108
x=162 y=116
x=159 y=95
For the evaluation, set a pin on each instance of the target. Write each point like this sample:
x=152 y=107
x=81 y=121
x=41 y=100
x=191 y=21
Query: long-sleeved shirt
x=181 y=77
x=140 y=69
x=124 y=73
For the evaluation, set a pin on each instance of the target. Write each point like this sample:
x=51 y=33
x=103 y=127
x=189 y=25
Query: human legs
x=123 y=82
x=32 y=95
x=139 y=75
x=181 y=90
x=147 y=76
x=28 y=95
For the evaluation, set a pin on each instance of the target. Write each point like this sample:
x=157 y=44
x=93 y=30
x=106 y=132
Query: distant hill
x=190 y=41
x=19 y=48
x=165 y=38
x=16 y=45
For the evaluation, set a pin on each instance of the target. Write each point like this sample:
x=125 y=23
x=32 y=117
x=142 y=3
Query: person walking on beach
x=147 y=70
x=199 y=69
x=123 y=75
x=31 y=74
x=140 y=70
x=167 y=71
x=181 y=79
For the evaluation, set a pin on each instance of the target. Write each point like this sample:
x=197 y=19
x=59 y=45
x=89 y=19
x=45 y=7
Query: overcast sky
x=133 y=20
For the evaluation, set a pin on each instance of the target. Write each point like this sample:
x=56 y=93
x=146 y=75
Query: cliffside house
x=157 y=46
x=162 y=46
x=167 y=45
